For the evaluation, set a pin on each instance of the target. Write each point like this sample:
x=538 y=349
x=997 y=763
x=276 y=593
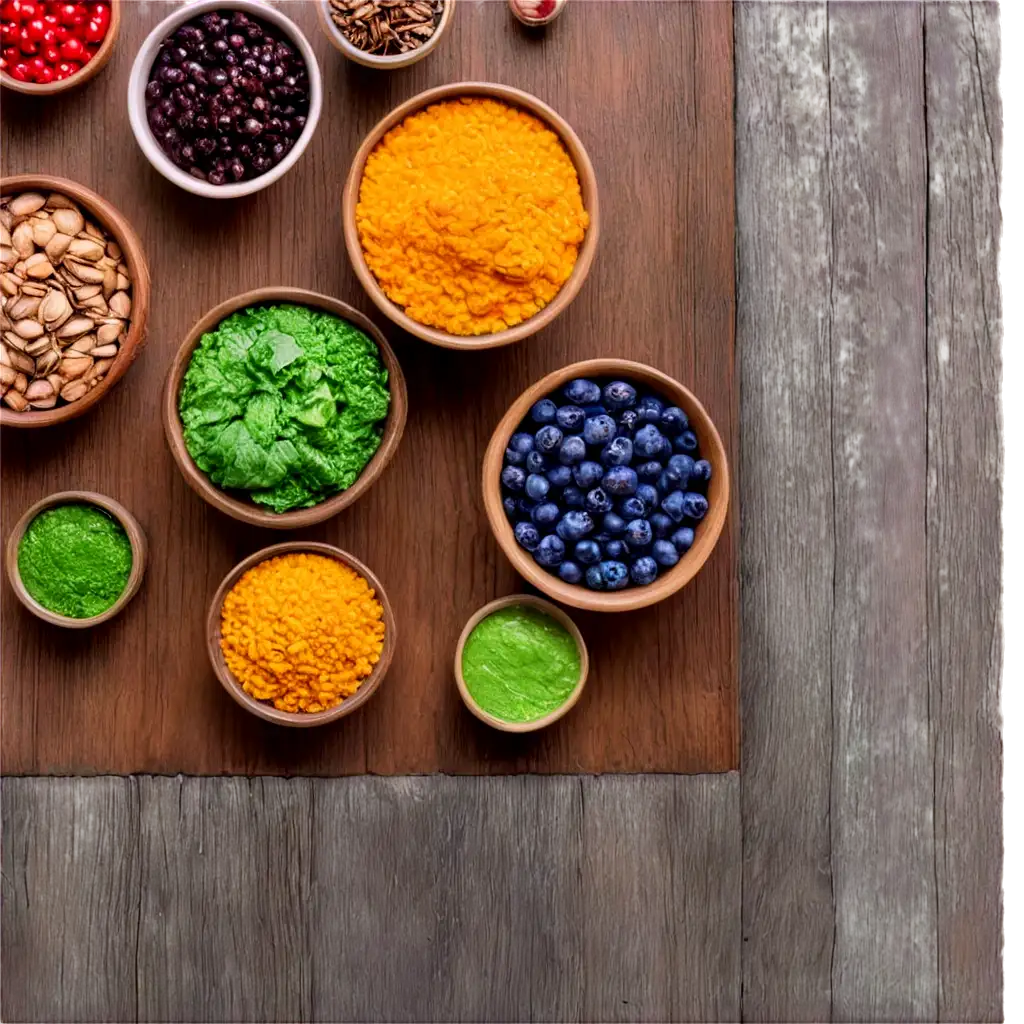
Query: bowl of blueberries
x=606 y=485
x=224 y=96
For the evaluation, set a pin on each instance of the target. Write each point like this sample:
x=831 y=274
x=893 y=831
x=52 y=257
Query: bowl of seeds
x=74 y=301
x=385 y=33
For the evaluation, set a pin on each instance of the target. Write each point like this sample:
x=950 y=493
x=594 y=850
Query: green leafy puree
x=284 y=402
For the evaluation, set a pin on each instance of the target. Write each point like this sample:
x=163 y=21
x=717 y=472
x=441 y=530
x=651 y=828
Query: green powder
x=75 y=560
x=520 y=664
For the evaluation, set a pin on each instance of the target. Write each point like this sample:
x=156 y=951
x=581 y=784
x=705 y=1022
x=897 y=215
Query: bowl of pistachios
x=74 y=296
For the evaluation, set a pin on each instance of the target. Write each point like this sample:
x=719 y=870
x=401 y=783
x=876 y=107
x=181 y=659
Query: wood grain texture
x=657 y=121
x=429 y=898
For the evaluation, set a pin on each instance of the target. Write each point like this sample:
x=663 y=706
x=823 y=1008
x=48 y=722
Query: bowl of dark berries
x=606 y=485
x=224 y=96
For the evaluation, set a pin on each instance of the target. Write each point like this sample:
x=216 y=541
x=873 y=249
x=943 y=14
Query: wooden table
x=851 y=869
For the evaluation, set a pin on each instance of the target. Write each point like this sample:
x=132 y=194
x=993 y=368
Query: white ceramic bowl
x=140 y=77
x=397 y=60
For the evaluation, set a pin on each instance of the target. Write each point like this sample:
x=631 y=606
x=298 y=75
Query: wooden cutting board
x=649 y=90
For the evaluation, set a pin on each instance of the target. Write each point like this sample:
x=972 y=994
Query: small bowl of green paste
x=521 y=663
x=76 y=558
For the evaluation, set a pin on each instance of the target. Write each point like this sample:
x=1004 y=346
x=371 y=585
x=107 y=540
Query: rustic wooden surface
x=139 y=695
x=847 y=836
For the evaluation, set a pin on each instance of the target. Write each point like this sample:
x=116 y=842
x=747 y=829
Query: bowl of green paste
x=76 y=558
x=520 y=663
x=283 y=406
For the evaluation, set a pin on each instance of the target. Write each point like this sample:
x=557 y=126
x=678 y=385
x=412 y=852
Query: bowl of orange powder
x=471 y=215
x=300 y=634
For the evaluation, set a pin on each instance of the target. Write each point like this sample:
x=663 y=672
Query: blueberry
x=665 y=553
x=683 y=539
x=694 y=505
x=647 y=494
x=613 y=523
x=665 y=449
x=644 y=571
x=587 y=552
x=559 y=476
x=547 y=439
x=509 y=504
x=572 y=497
x=629 y=420
x=597 y=501
x=701 y=471
x=572 y=451
x=679 y=469
x=526 y=507
x=619 y=395
x=527 y=535
x=537 y=487
x=513 y=458
x=649 y=472
x=620 y=481
x=550 y=552
x=617 y=452
x=672 y=506
x=649 y=409
x=535 y=463
x=661 y=525
x=665 y=483
x=570 y=417
x=570 y=572
x=686 y=442
x=603 y=537
x=521 y=443
x=614 y=574
x=615 y=549
x=546 y=514
x=573 y=526
x=544 y=411
x=674 y=420
x=590 y=411
x=598 y=429
x=638 y=533
x=595 y=578
x=632 y=508
x=513 y=478
x=582 y=392
x=647 y=441
x=586 y=474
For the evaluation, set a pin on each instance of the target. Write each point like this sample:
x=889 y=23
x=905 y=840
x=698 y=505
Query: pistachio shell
x=15 y=401
x=21 y=240
x=108 y=333
x=72 y=366
x=38 y=266
x=86 y=249
x=28 y=329
x=57 y=246
x=43 y=231
x=104 y=352
x=56 y=201
x=86 y=272
x=26 y=203
x=39 y=389
x=45 y=403
x=76 y=326
x=74 y=390
x=23 y=306
x=54 y=306
x=120 y=304
x=68 y=221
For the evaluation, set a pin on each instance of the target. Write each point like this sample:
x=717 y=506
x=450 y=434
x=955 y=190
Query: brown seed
x=104 y=352
x=56 y=201
x=69 y=222
x=57 y=246
x=28 y=329
x=21 y=362
x=15 y=341
x=9 y=284
x=38 y=266
x=87 y=273
x=23 y=306
x=72 y=366
x=7 y=375
x=123 y=284
x=76 y=326
x=21 y=383
x=8 y=257
x=54 y=307
x=84 y=345
x=39 y=389
x=73 y=391
x=21 y=240
x=99 y=370
x=86 y=249
x=43 y=231
x=47 y=362
x=45 y=403
x=120 y=304
x=27 y=203
x=36 y=288
x=109 y=282
x=107 y=333
x=36 y=348
x=97 y=305
x=15 y=401
x=113 y=250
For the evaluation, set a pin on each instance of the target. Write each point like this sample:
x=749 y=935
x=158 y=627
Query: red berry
x=9 y=32
x=81 y=15
x=29 y=46
x=51 y=54
x=49 y=37
x=63 y=33
x=72 y=49
x=100 y=13
x=11 y=11
x=45 y=76
x=29 y=10
x=66 y=13
x=51 y=20
x=35 y=29
x=20 y=72
x=11 y=54
x=94 y=32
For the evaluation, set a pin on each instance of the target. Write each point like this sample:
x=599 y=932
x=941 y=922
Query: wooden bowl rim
x=249 y=512
x=563 y=619
x=131 y=248
x=299 y=719
x=80 y=77
x=707 y=534
x=131 y=527
x=398 y=60
x=588 y=188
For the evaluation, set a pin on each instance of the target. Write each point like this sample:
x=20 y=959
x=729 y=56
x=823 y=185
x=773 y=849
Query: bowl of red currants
x=606 y=484
x=224 y=96
x=48 y=47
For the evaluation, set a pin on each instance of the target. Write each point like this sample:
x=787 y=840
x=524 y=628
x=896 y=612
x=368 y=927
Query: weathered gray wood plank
x=965 y=469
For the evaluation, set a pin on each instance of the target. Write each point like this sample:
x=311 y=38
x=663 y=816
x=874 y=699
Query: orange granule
x=470 y=215
x=301 y=631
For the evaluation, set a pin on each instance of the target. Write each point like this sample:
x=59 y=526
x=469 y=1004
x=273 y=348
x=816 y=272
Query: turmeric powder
x=470 y=215
x=301 y=631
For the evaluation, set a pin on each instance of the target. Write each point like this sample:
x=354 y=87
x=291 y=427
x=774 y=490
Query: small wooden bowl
x=244 y=509
x=707 y=532
x=298 y=719
x=588 y=187
x=113 y=508
x=398 y=60
x=560 y=617
x=112 y=220
x=94 y=67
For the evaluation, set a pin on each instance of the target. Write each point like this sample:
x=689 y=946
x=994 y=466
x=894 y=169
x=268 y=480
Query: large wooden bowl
x=242 y=508
x=94 y=67
x=112 y=220
x=298 y=719
x=588 y=187
x=707 y=532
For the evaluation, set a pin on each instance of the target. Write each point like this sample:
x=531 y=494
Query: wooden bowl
x=298 y=719
x=588 y=187
x=398 y=60
x=244 y=509
x=707 y=532
x=113 y=508
x=94 y=67
x=559 y=616
x=112 y=220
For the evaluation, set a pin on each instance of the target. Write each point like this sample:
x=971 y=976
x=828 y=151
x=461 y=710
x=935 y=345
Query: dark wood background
x=138 y=695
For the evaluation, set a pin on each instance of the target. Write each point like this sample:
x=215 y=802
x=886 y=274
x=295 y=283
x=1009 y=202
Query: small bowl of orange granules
x=471 y=215
x=300 y=634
